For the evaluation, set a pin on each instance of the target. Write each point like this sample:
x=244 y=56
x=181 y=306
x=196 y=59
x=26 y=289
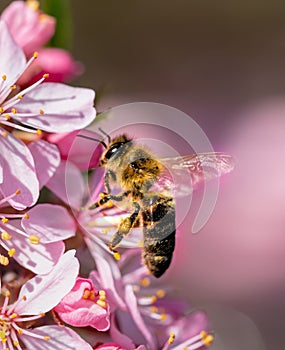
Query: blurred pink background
x=222 y=63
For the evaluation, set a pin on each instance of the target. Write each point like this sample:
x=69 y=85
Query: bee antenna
x=104 y=133
x=91 y=138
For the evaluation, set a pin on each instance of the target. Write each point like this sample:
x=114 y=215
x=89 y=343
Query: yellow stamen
x=160 y=293
x=7 y=294
x=4 y=77
x=33 y=4
x=39 y=132
x=163 y=317
x=4 y=220
x=145 y=282
x=13 y=87
x=46 y=337
x=34 y=239
x=42 y=314
x=26 y=216
x=20 y=97
x=46 y=75
x=154 y=309
x=1 y=109
x=171 y=338
x=117 y=256
x=24 y=298
x=4 y=260
x=18 y=191
x=20 y=331
x=5 y=236
x=42 y=111
x=153 y=299
x=208 y=340
x=11 y=252
x=109 y=204
x=7 y=116
x=14 y=111
x=15 y=343
x=102 y=293
x=101 y=303
x=86 y=294
x=4 y=133
x=14 y=315
x=36 y=54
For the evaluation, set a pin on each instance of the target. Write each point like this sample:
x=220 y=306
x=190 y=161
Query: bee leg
x=107 y=198
x=110 y=175
x=124 y=228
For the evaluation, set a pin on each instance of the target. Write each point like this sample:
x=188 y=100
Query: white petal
x=43 y=292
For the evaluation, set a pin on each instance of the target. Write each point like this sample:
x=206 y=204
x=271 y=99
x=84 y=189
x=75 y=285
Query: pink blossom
x=31 y=29
x=38 y=296
x=51 y=107
x=57 y=62
x=34 y=239
x=85 y=306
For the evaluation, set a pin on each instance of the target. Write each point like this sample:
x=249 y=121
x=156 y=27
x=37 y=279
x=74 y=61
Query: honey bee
x=141 y=177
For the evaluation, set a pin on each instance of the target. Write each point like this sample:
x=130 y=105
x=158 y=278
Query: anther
x=160 y=293
x=15 y=343
x=1 y=110
x=14 y=111
x=4 y=77
x=24 y=298
x=7 y=294
x=208 y=340
x=163 y=317
x=34 y=239
x=4 y=133
x=5 y=236
x=145 y=282
x=19 y=97
x=39 y=132
x=14 y=315
x=7 y=116
x=18 y=191
x=117 y=255
x=4 y=260
x=42 y=111
x=4 y=220
x=13 y=87
x=35 y=54
x=11 y=252
x=46 y=337
x=171 y=338
x=26 y=216
x=46 y=75
x=101 y=303
x=86 y=294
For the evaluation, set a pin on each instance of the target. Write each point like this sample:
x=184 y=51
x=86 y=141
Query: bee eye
x=113 y=150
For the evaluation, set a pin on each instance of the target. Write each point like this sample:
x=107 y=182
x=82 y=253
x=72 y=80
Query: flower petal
x=49 y=222
x=13 y=60
x=66 y=108
x=43 y=292
x=46 y=158
x=39 y=258
x=29 y=28
x=80 y=311
x=136 y=315
x=19 y=173
x=67 y=183
x=60 y=338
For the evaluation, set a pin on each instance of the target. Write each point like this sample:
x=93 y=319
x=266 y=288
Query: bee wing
x=185 y=173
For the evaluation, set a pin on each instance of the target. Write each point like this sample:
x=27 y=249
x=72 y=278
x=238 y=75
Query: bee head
x=115 y=148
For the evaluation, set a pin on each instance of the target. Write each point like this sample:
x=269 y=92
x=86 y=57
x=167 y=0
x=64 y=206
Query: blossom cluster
x=61 y=288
